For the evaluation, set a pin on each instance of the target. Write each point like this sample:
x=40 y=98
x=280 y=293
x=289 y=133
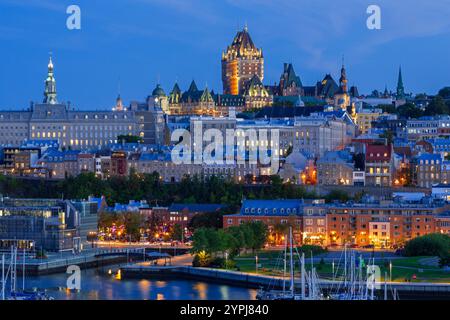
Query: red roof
x=378 y=152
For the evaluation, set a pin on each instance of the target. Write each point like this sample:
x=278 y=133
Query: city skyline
x=142 y=48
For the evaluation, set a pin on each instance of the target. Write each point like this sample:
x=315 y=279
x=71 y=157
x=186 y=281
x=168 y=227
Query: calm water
x=97 y=284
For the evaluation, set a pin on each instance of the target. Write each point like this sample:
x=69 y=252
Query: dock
x=441 y=290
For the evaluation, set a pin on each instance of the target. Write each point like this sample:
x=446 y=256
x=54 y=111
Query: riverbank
x=89 y=259
x=245 y=279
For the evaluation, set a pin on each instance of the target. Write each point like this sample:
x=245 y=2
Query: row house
x=428 y=127
x=428 y=170
x=379 y=165
x=335 y=168
x=381 y=224
x=60 y=164
x=278 y=215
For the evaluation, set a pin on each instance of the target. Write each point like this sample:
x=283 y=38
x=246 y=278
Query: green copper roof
x=158 y=91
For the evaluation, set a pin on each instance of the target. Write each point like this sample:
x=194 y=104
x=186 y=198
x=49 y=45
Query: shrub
x=217 y=263
x=201 y=259
x=429 y=245
x=308 y=248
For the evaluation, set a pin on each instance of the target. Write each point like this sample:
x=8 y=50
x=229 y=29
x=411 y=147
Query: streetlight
x=390 y=271
x=226 y=260
x=256 y=260
x=332 y=266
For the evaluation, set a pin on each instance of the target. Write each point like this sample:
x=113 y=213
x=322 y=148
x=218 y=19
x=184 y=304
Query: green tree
x=132 y=222
x=444 y=92
x=199 y=241
x=129 y=139
x=388 y=135
x=177 y=232
x=437 y=106
x=207 y=220
x=409 y=110
x=260 y=233
x=388 y=108
x=434 y=244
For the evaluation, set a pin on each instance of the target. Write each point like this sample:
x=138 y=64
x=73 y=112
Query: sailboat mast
x=12 y=268
x=3 y=277
x=385 y=286
x=302 y=262
x=285 y=265
x=345 y=264
x=15 y=269
x=291 y=261
x=23 y=271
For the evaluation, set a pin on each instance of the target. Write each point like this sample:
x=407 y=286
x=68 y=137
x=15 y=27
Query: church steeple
x=50 y=85
x=343 y=79
x=400 y=87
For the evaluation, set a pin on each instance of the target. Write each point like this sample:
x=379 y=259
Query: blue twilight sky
x=141 y=41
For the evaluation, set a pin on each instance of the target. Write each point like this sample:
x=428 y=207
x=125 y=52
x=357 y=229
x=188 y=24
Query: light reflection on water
x=98 y=284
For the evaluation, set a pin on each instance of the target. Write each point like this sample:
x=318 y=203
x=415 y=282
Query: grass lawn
x=271 y=263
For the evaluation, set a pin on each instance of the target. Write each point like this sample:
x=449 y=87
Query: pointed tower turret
x=50 y=85
x=343 y=79
x=400 y=88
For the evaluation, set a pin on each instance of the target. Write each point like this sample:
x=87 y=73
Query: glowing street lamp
x=390 y=271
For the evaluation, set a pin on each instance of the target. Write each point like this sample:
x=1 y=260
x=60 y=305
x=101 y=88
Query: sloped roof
x=290 y=77
x=327 y=87
x=272 y=207
x=196 y=207
x=242 y=42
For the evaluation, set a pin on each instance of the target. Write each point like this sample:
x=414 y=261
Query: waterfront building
x=315 y=223
x=443 y=223
x=382 y=224
x=39 y=224
x=182 y=213
x=88 y=211
x=278 y=215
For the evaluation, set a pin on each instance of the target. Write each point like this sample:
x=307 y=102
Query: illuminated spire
x=50 y=84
